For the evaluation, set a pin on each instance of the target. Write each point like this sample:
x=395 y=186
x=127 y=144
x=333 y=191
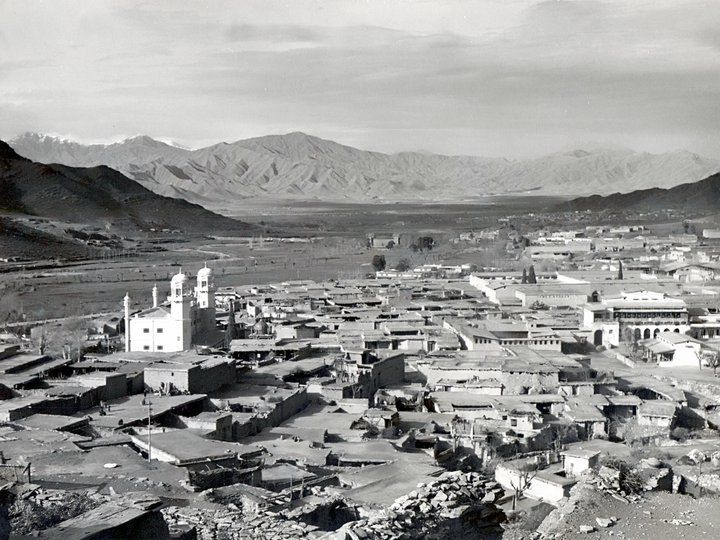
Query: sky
x=512 y=78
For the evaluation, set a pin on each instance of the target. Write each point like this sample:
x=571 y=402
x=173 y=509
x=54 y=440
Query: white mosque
x=187 y=318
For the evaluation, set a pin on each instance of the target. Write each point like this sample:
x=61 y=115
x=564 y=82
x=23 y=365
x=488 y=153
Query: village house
x=383 y=240
x=656 y=413
x=577 y=460
x=199 y=376
x=551 y=295
x=535 y=478
x=495 y=334
x=669 y=349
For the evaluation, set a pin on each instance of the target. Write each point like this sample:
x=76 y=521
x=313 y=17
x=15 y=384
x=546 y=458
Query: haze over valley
x=300 y=167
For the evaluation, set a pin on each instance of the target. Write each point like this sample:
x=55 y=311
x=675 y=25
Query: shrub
x=680 y=434
x=28 y=516
x=630 y=480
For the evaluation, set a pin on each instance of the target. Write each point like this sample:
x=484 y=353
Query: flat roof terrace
x=52 y=421
x=180 y=357
x=30 y=364
x=130 y=410
x=307 y=365
x=185 y=446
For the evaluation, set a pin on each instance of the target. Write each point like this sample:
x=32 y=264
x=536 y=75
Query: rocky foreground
x=459 y=505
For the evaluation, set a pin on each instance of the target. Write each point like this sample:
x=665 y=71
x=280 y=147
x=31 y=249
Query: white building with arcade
x=185 y=320
x=635 y=316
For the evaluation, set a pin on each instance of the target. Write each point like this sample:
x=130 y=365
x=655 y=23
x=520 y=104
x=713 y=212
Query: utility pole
x=149 y=406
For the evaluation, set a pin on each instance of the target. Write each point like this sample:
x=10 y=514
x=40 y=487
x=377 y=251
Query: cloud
x=501 y=78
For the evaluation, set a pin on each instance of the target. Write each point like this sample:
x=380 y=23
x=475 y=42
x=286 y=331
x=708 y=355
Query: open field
x=346 y=217
x=330 y=242
x=99 y=285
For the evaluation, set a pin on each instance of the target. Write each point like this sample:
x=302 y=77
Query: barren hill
x=96 y=195
x=701 y=196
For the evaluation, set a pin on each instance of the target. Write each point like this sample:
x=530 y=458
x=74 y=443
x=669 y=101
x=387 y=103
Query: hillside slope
x=17 y=239
x=96 y=195
x=299 y=166
x=701 y=196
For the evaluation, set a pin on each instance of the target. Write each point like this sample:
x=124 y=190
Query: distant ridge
x=700 y=196
x=297 y=166
x=97 y=195
x=6 y=152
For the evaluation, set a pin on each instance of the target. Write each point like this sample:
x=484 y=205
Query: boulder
x=440 y=497
x=604 y=522
x=656 y=479
x=587 y=529
x=489 y=497
x=611 y=477
x=696 y=456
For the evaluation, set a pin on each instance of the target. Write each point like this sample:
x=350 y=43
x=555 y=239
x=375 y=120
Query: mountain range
x=297 y=166
x=97 y=195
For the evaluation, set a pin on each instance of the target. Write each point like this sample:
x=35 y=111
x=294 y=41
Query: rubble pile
x=655 y=476
x=610 y=481
x=232 y=524
x=455 y=504
x=36 y=508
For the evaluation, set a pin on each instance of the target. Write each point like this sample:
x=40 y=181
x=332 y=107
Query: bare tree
x=10 y=305
x=561 y=435
x=628 y=334
x=526 y=473
x=41 y=339
x=66 y=338
x=75 y=336
x=712 y=360
x=699 y=477
x=231 y=332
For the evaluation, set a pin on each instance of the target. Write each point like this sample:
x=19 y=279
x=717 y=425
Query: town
x=359 y=270
x=561 y=391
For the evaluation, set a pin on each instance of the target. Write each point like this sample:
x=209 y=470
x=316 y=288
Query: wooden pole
x=149 y=432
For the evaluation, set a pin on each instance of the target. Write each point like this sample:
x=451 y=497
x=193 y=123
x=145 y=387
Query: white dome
x=178 y=279
x=204 y=272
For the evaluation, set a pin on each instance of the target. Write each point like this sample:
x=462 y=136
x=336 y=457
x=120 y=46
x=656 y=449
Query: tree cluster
x=231 y=331
x=528 y=276
x=423 y=243
x=379 y=263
